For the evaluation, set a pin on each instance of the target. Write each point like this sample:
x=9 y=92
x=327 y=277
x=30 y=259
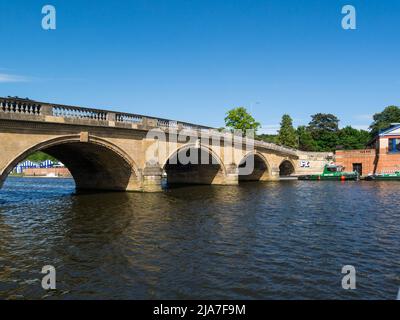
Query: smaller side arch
x=287 y=168
x=260 y=167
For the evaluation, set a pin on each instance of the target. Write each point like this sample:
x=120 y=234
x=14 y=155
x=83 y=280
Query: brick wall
x=347 y=158
x=40 y=172
x=372 y=162
x=387 y=162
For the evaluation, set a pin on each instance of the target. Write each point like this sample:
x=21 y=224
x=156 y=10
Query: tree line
x=321 y=134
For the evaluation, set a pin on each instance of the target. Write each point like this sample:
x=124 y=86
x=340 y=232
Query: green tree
x=382 y=120
x=240 y=119
x=306 y=141
x=350 y=138
x=324 y=122
x=272 y=138
x=324 y=130
x=41 y=156
x=287 y=134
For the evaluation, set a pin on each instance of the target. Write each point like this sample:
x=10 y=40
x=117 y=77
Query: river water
x=280 y=240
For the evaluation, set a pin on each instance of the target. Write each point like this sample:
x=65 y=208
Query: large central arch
x=213 y=171
x=95 y=164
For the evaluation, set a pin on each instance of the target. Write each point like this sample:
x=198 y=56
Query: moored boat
x=333 y=173
x=395 y=176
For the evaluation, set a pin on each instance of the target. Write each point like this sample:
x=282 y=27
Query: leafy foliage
x=350 y=138
x=321 y=134
x=272 y=138
x=306 y=141
x=324 y=129
x=324 y=122
x=287 y=134
x=382 y=120
x=41 y=156
x=240 y=119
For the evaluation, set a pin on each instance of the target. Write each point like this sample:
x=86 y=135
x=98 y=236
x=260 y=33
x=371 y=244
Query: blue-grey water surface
x=281 y=240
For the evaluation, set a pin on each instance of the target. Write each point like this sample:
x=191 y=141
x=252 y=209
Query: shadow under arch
x=207 y=169
x=286 y=168
x=94 y=165
x=261 y=168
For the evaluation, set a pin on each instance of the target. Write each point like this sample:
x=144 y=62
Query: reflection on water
x=285 y=240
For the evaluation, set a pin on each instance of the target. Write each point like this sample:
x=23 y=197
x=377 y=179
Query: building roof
x=394 y=129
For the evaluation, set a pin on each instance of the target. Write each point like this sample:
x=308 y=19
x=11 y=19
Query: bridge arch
x=211 y=172
x=95 y=164
x=261 y=170
x=286 y=168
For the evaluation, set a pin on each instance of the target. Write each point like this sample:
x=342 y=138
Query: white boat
x=51 y=175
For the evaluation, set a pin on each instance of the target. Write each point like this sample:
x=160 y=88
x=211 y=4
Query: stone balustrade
x=78 y=113
x=129 y=118
x=25 y=106
x=19 y=106
x=37 y=111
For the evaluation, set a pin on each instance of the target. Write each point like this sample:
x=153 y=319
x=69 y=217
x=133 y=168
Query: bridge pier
x=232 y=175
x=271 y=176
x=152 y=176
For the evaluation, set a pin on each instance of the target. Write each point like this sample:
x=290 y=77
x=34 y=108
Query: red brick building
x=381 y=156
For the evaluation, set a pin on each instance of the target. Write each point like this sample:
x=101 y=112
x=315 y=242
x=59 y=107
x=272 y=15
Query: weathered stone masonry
x=106 y=150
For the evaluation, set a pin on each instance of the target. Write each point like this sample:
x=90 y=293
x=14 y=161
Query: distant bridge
x=108 y=150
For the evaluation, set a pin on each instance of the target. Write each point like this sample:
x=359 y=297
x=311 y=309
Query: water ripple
x=253 y=241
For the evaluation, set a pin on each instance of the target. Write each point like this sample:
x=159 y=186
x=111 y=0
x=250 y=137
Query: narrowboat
x=384 y=176
x=333 y=173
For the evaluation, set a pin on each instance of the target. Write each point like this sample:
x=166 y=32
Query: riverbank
x=41 y=177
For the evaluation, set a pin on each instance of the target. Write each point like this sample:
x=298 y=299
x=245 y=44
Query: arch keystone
x=84 y=137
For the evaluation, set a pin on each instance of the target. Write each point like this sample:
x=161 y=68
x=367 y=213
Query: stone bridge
x=107 y=150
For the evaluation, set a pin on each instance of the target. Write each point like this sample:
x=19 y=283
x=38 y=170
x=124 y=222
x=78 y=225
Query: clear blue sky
x=193 y=60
